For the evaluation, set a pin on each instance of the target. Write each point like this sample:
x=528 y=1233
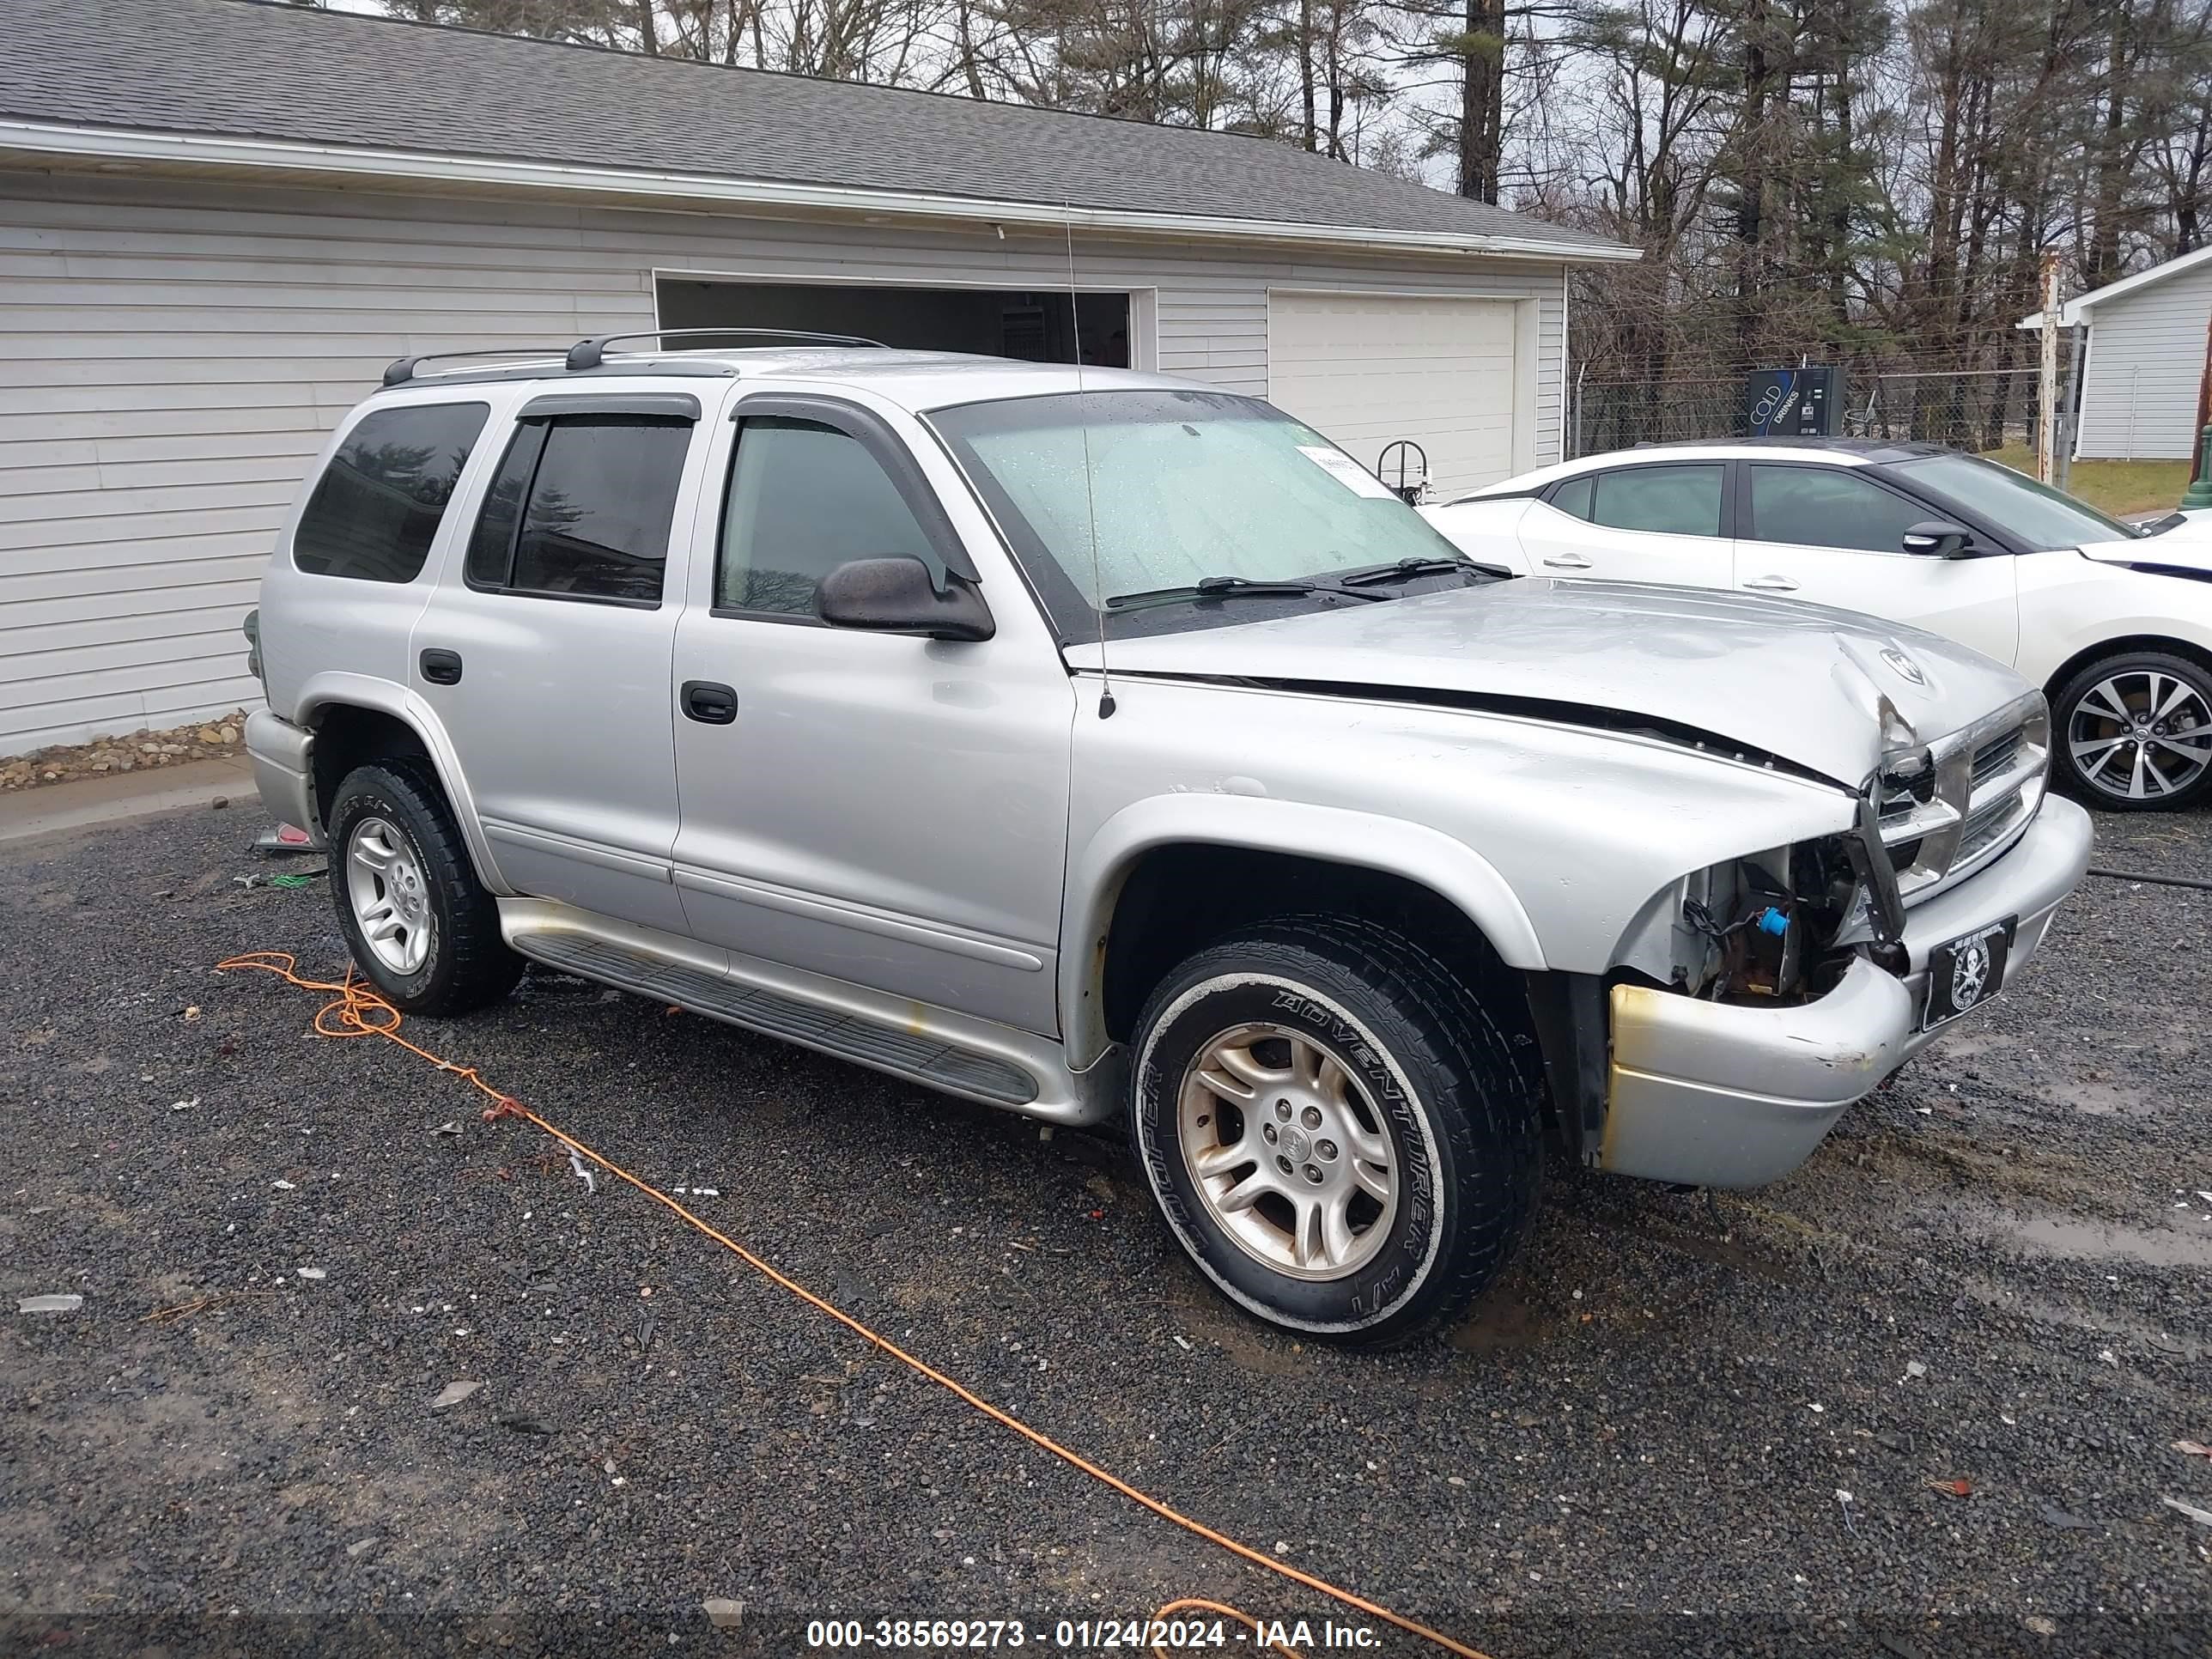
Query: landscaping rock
x=133 y=751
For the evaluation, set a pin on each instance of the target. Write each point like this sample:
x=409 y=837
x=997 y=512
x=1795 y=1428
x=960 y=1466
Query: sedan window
x=1573 y=497
x=1672 y=500
x=1827 y=507
x=2032 y=514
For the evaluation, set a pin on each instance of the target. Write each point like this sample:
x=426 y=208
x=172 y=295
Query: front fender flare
x=403 y=704
x=1096 y=871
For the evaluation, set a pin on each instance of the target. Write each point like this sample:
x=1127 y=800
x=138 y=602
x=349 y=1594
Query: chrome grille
x=1994 y=757
x=1983 y=826
x=1978 y=793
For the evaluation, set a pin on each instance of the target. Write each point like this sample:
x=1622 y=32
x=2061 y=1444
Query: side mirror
x=896 y=596
x=1939 y=538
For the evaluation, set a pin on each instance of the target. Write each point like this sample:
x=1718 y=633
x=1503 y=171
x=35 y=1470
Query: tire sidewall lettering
x=1340 y=1306
x=377 y=803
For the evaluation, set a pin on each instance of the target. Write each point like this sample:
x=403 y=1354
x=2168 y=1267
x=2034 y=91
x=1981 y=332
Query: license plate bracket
x=1966 y=972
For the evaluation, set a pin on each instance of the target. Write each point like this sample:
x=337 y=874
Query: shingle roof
x=242 y=70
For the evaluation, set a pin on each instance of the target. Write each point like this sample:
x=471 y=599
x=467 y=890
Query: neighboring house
x=2142 y=358
x=219 y=220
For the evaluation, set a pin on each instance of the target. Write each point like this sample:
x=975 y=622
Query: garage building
x=220 y=219
x=2141 y=346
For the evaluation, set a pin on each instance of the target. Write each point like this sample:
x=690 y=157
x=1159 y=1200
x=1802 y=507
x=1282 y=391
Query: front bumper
x=283 y=757
x=1731 y=1095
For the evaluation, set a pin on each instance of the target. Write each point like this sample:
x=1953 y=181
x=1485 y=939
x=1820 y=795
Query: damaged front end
x=1764 y=927
x=1782 y=925
x=1754 y=1000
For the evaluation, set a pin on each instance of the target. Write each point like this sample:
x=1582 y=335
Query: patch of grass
x=2123 y=489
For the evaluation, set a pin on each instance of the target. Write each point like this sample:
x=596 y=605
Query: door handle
x=1773 y=584
x=709 y=702
x=442 y=667
x=1568 y=562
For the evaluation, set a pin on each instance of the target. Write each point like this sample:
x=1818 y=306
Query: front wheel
x=1337 y=1131
x=2135 y=732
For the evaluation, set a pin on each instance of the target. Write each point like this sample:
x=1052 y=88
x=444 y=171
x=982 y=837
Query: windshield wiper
x=1227 y=587
x=1409 y=569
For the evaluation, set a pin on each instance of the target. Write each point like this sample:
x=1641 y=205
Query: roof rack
x=590 y=354
x=402 y=369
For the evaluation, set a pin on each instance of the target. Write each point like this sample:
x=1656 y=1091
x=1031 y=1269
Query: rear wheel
x=1337 y=1131
x=420 y=925
x=2135 y=731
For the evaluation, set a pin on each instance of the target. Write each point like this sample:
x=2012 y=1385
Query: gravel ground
x=1996 y=1273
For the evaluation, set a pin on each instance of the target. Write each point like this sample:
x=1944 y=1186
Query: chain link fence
x=1980 y=410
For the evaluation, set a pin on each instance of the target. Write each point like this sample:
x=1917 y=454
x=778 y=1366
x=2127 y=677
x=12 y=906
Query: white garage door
x=1369 y=368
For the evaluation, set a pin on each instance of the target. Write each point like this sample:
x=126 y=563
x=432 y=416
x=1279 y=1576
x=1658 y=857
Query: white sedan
x=2116 y=625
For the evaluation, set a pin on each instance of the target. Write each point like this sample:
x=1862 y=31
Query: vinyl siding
x=2139 y=385
x=172 y=357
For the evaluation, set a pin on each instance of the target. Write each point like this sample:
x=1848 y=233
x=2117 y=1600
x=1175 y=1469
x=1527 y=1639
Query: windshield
x=2032 y=513
x=1183 y=487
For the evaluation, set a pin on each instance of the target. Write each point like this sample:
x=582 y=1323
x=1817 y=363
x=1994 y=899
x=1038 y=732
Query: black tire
x=2117 y=771
x=468 y=965
x=1458 y=1096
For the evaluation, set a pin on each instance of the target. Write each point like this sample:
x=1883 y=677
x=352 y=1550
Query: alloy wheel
x=1286 y=1151
x=2141 y=734
x=391 y=900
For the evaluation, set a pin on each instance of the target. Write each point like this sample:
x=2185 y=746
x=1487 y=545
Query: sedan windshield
x=1126 y=500
x=2038 y=517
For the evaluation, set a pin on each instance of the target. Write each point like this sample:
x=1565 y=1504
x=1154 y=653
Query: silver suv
x=1101 y=745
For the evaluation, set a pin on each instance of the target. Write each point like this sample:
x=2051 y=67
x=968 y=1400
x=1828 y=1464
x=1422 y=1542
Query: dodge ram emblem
x=1970 y=972
x=1904 y=664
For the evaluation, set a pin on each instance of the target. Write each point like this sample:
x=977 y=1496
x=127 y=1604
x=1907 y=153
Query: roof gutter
x=2075 y=311
x=41 y=140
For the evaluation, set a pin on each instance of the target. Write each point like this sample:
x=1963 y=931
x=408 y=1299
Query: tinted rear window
x=377 y=506
x=595 y=494
x=1670 y=500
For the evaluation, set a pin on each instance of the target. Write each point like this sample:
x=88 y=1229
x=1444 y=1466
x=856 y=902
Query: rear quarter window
x=378 y=505
x=1573 y=497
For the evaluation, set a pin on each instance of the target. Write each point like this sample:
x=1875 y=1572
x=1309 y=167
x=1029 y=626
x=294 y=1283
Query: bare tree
x=1873 y=181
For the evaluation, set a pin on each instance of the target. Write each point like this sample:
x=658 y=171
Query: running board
x=923 y=1057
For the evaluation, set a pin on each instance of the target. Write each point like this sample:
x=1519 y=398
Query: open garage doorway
x=1036 y=325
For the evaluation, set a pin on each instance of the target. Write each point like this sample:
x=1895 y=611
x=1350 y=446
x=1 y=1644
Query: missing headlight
x=1763 y=926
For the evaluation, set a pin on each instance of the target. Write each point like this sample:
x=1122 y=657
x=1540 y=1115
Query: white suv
x=2113 y=624
x=1106 y=747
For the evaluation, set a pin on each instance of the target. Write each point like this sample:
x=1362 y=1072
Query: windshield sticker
x=1346 y=471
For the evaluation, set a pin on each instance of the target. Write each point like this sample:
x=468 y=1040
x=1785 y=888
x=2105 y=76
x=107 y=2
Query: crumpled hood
x=1802 y=682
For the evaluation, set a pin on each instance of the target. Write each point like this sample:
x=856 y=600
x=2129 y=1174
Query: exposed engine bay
x=1762 y=928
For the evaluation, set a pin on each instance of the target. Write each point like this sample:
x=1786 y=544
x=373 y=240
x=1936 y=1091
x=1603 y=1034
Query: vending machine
x=1794 y=403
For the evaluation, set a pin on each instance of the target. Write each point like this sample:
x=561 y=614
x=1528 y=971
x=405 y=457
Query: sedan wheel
x=2139 y=732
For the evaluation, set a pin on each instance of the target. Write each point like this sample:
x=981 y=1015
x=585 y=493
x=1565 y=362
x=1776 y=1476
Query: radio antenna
x=1106 y=704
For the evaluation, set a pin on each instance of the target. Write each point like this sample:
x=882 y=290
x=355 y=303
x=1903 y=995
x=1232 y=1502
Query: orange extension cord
x=356 y=1011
